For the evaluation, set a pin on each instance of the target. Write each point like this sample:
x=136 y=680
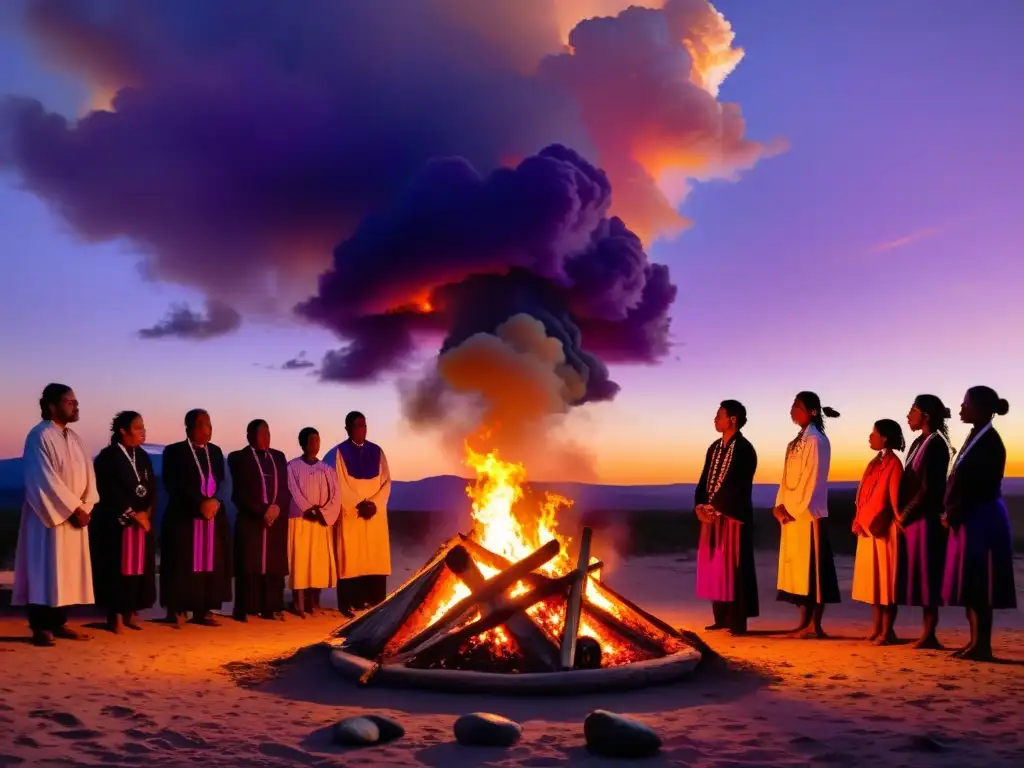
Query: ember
x=507 y=597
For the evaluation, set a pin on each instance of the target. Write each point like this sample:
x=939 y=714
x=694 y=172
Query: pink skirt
x=718 y=559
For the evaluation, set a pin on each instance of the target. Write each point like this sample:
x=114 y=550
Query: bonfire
x=510 y=598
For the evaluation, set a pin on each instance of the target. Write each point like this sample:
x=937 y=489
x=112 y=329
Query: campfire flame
x=495 y=494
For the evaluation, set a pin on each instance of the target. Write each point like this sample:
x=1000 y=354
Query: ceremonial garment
x=312 y=560
x=363 y=544
x=52 y=567
x=874 y=567
x=921 y=546
x=726 y=574
x=195 y=553
x=807 y=571
x=123 y=552
x=979 y=559
x=258 y=479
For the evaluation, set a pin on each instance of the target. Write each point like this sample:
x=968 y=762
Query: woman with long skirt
x=979 y=559
x=921 y=538
x=874 y=568
x=121 y=531
x=807 y=569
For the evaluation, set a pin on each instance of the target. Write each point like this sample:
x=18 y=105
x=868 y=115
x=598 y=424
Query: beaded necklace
x=721 y=459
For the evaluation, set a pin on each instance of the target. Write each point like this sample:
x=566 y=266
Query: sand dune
x=264 y=694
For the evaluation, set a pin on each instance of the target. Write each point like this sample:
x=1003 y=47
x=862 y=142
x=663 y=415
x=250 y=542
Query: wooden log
x=372 y=616
x=450 y=643
x=372 y=635
x=575 y=682
x=665 y=627
x=490 y=589
x=574 y=605
x=536 y=648
x=644 y=642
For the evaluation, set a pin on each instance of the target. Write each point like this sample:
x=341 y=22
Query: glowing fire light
x=494 y=495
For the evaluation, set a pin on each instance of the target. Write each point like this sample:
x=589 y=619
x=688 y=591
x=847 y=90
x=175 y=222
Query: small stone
x=356 y=732
x=390 y=730
x=482 y=729
x=612 y=735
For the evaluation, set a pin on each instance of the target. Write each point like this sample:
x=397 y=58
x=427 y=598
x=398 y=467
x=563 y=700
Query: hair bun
x=832 y=413
x=1002 y=407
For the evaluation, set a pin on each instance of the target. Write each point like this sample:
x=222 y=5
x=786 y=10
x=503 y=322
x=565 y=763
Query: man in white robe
x=52 y=566
x=363 y=543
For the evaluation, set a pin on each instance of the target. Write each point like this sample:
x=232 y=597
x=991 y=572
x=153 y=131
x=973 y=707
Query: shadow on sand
x=308 y=676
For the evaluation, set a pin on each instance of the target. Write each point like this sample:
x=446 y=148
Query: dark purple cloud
x=183 y=322
x=239 y=142
x=298 y=363
x=462 y=253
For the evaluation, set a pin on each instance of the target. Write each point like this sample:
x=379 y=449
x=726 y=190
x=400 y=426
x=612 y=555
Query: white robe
x=364 y=546
x=312 y=562
x=804 y=493
x=52 y=565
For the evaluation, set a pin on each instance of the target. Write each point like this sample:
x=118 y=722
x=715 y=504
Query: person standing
x=807 y=570
x=314 y=510
x=364 y=547
x=874 y=568
x=726 y=574
x=52 y=568
x=259 y=477
x=979 y=560
x=121 y=533
x=195 y=541
x=921 y=541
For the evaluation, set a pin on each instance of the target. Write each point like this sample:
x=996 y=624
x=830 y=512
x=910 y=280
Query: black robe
x=247 y=495
x=734 y=499
x=921 y=545
x=181 y=589
x=116 y=483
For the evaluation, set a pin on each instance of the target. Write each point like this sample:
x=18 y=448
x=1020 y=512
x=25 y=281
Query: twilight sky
x=876 y=258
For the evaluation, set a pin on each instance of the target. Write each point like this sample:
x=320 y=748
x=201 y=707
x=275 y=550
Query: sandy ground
x=264 y=694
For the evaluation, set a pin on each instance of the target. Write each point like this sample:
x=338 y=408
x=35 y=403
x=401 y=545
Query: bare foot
x=889 y=639
x=811 y=633
x=977 y=653
x=959 y=652
x=929 y=643
x=874 y=636
x=66 y=633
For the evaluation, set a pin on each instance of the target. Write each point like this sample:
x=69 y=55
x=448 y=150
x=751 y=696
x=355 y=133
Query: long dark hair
x=122 y=420
x=892 y=433
x=936 y=411
x=812 y=403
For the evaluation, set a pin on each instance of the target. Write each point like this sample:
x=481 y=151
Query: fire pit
x=496 y=612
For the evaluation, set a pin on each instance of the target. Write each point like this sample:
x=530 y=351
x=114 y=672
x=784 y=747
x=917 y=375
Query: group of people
x=87 y=527
x=931 y=530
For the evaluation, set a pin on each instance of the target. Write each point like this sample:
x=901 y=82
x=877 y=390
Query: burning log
x=534 y=644
x=575 y=603
x=368 y=634
x=449 y=644
x=489 y=590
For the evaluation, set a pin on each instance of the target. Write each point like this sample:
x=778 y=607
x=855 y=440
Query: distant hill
x=447 y=493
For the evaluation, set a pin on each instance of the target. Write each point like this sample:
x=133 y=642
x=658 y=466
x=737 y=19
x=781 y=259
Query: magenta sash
x=133 y=550
x=203 y=533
